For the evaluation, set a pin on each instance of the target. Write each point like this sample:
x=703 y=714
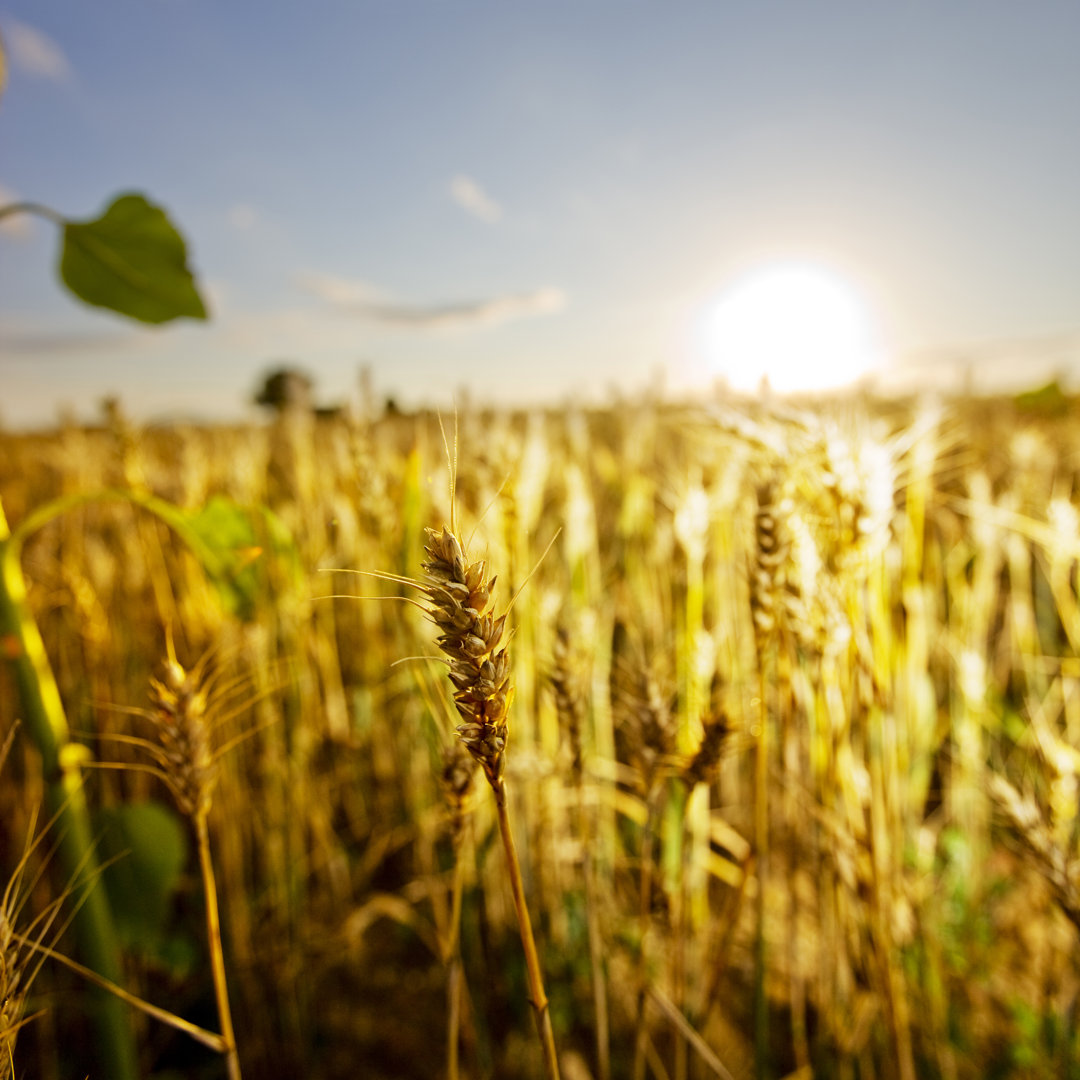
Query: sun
x=793 y=326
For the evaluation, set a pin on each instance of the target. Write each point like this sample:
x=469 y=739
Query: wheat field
x=791 y=758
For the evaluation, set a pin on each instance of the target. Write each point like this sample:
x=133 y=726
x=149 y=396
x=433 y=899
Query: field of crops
x=791 y=758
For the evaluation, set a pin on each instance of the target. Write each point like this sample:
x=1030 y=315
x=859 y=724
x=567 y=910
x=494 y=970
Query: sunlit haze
x=542 y=202
x=792 y=327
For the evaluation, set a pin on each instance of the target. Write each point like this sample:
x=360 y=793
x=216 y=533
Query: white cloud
x=473 y=199
x=34 y=52
x=17 y=226
x=373 y=304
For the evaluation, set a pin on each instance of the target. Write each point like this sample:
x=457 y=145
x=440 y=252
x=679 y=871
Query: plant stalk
x=761 y=844
x=454 y=972
x=645 y=889
x=46 y=212
x=537 y=997
x=46 y=722
x=217 y=955
x=596 y=948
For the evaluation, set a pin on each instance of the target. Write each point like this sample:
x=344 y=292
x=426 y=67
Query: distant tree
x=285 y=387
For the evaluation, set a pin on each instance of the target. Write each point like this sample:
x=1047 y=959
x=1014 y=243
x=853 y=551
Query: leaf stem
x=32 y=208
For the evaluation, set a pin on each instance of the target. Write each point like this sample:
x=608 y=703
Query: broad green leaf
x=132 y=261
x=150 y=847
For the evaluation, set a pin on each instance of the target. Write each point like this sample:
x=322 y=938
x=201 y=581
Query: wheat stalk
x=16 y=948
x=188 y=767
x=459 y=594
x=565 y=680
x=13 y=983
x=457 y=781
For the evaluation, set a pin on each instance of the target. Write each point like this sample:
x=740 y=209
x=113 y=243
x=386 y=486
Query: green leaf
x=247 y=552
x=150 y=848
x=132 y=261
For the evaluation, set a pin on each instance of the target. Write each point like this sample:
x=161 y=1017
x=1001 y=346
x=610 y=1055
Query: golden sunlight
x=792 y=326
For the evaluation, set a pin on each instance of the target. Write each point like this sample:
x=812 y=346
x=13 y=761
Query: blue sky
x=535 y=200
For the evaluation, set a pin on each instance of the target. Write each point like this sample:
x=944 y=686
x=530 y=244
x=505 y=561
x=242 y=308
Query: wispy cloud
x=32 y=339
x=34 y=52
x=362 y=299
x=469 y=314
x=48 y=345
x=341 y=292
x=240 y=333
x=473 y=199
x=303 y=332
x=242 y=217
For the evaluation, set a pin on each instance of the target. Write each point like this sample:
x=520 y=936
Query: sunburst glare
x=792 y=326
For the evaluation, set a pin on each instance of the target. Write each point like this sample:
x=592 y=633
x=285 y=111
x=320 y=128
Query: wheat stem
x=537 y=997
x=217 y=955
x=596 y=950
x=645 y=889
x=451 y=947
x=454 y=980
x=761 y=845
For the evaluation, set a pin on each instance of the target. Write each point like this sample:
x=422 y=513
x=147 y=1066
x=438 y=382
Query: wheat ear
x=459 y=594
x=189 y=768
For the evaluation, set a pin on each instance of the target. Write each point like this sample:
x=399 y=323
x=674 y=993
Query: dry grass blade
x=686 y=1029
x=201 y=1035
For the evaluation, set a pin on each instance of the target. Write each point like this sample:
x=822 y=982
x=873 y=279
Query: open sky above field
x=539 y=200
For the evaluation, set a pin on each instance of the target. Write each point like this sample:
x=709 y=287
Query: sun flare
x=793 y=326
